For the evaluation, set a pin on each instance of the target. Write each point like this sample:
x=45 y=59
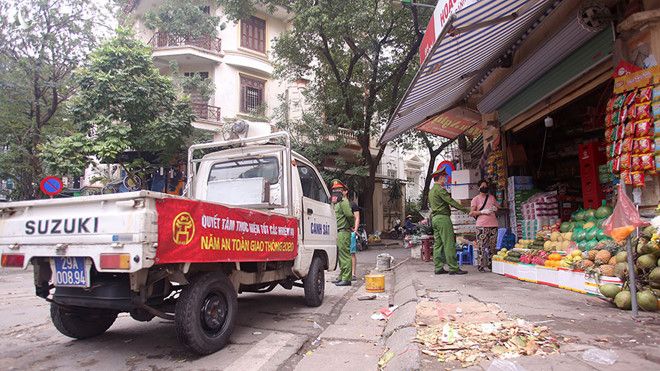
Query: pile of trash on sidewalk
x=471 y=343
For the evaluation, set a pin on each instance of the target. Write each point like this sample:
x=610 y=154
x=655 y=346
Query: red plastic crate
x=591 y=155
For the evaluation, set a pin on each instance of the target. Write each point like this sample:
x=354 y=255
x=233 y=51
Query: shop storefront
x=569 y=110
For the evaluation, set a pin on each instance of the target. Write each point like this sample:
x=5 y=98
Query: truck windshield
x=266 y=167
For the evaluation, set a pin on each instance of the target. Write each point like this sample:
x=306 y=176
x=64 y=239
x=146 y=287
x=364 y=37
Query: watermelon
x=580 y=235
x=579 y=215
x=591 y=234
x=565 y=227
x=599 y=222
x=591 y=244
x=589 y=214
x=578 y=224
x=582 y=245
x=576 y=232
x=601 y=236
x=604 y=211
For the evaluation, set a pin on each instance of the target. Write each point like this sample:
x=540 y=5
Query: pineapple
x=602 y=257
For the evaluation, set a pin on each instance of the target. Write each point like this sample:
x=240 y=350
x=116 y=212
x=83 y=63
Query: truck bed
x=152 y=227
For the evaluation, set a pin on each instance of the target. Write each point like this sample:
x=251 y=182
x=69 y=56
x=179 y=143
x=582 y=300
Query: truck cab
x=141 y=252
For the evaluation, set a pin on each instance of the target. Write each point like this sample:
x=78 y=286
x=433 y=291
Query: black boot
x=457 y=272
x=343 y=283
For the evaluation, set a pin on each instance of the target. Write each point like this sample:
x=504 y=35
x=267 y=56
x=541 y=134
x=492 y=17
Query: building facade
x=237 y=59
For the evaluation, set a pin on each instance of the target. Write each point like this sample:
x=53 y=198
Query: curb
x=400 y=329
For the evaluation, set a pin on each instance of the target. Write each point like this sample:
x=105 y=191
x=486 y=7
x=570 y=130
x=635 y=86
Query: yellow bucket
x=375 y=282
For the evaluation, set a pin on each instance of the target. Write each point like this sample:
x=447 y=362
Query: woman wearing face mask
x=483 y=207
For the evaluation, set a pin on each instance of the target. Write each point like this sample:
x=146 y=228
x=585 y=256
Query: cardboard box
x=465 y=176
x=464 y=192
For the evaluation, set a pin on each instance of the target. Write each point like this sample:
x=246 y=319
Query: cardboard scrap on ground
x=470 y=343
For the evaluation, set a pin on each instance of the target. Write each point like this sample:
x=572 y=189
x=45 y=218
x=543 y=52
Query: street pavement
x=578 y=321
x=275 y=331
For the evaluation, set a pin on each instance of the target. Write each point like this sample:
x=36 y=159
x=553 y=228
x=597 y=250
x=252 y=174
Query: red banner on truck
x=192 y=231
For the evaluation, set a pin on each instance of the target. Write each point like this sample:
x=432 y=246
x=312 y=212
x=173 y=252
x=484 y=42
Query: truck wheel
x=205 y=313
x=314 y=283
x=81 y=323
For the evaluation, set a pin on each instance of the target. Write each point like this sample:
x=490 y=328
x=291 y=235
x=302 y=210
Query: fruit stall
x=577 y=255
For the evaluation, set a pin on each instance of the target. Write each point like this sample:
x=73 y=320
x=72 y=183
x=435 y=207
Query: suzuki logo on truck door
x=62 y=226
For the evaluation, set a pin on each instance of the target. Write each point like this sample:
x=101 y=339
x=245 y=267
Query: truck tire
x=205 y=313
x=81 y=323
x=314 y=283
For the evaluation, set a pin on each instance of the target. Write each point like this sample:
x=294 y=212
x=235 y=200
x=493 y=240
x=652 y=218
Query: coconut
x=609 y=290
x=646 y=261
x=621 y=270
x=654 y=276
x=648 y=231
x=641 y=246
x=647 y=300
x=623 y=300
x=621 y=256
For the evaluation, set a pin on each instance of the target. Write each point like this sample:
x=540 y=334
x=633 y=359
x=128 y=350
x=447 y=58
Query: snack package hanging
x=624 y=219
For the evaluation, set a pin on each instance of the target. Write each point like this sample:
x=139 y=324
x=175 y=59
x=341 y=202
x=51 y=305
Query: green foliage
x=413 y=208
x=41 y=44
x=124 y=104
x=361 y=54
x=182 y=18
x=69 y=155
x=192 y=83
x=394 y=190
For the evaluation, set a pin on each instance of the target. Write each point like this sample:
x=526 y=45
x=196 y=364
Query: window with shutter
x=253 y=34
x=252 y=95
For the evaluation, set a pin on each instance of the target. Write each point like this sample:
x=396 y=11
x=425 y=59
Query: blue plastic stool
x=501 y=234
x=465 y=255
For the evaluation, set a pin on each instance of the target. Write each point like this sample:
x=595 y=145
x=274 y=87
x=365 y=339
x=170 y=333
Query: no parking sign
x=51 y=185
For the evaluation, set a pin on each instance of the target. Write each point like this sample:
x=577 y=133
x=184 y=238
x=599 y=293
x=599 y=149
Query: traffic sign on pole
x=51 y=185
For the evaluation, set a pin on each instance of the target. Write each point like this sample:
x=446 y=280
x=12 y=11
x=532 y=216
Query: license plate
x=71 y=272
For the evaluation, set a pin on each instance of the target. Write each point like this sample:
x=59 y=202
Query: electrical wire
x=545 y=136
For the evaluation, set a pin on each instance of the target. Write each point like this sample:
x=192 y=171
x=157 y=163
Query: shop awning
x=450 y=124
x=474 y=41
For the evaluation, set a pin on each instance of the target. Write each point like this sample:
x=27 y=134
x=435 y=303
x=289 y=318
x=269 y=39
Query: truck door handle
x=310 y=211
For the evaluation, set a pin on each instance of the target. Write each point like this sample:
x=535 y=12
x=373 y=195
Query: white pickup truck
x=255 y=215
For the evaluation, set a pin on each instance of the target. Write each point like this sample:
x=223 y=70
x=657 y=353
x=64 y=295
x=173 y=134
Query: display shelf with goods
x=464 y=225
x=577 y=255
x=495 y=170
x=519 y=189
x=630 y=127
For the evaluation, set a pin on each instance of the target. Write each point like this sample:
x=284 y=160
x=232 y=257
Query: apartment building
x=238 y=59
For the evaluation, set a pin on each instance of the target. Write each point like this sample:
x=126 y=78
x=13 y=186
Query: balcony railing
x=206 y=112
x=165 y=40
x=347 y=134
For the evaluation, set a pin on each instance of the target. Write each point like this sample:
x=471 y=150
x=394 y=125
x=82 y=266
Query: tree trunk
x=424 y=205
x=368 y=197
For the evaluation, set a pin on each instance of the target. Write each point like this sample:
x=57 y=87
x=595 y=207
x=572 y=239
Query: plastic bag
x=504 y=365
x=624 y=219
x=600 y=356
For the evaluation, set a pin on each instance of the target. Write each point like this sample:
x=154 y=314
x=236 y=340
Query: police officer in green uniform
x=344 y=215
x=444 y=247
